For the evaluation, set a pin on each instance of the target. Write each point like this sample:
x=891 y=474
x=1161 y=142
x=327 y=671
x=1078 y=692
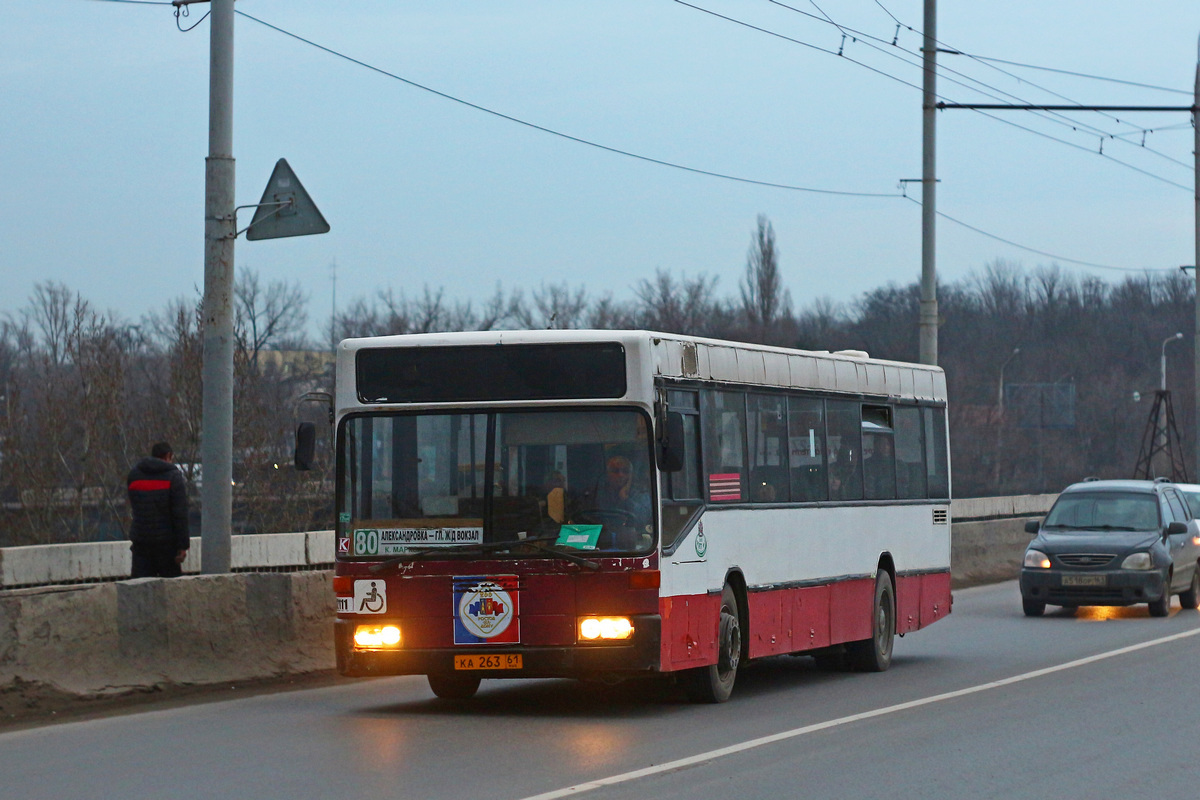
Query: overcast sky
x=104 y=134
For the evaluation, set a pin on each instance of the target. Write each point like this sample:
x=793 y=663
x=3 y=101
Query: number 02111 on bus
x=623 y=503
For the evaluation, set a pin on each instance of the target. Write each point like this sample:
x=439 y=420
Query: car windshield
x=1093 y=511
x=578 y=481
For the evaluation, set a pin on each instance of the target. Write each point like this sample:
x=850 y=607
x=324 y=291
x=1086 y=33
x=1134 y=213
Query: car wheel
x=1162 y=606
x=1191 y=598
x=714 y=683
x=449 y=686
x=1032 y=608
x=875 y=654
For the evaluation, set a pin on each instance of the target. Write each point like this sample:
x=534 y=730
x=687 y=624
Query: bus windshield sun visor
x=474 y=373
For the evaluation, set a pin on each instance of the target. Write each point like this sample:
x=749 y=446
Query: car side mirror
x=1174 y=529
x=671 y=443
x=1033 y=526
x=306 y=445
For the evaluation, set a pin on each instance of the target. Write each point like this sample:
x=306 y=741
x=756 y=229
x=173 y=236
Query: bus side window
x=685 y=484
x=910 y=454
x=806 y=449
x=724 y=423
x=768 y=448
x=879 y=458
x=844 y=450
x=937 y=466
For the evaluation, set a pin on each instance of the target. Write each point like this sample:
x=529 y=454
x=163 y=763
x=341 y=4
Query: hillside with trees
x=86 y=392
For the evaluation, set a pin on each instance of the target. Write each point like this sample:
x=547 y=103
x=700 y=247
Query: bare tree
x=688 y=305
x=554 y=306
x=764 y=300
x=264 y=316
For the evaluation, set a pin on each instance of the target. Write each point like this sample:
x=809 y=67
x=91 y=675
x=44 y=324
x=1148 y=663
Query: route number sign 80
x=366 y=542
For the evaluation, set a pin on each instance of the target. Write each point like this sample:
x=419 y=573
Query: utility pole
x=1196 y=255
x=928 y=330
x=220 y=231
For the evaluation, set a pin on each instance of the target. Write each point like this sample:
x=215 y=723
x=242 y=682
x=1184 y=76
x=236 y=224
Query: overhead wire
x=1137 y=130
x=1081 y=75
x=1029 y=249
x=560 y=134
x=1056 y=117
x=660 y=162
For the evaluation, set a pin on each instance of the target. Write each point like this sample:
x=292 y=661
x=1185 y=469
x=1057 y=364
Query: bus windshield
x=438 y=483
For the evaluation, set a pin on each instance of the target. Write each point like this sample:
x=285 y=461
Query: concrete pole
x=220 y=228
x=929 y=308
x=1196 y=253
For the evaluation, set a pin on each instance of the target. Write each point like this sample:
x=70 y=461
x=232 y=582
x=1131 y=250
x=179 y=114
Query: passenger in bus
x=880 y=469
x=844 y=481
x=555 y=489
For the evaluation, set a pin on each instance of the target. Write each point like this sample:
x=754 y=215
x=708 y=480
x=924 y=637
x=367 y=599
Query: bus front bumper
x=640 y=655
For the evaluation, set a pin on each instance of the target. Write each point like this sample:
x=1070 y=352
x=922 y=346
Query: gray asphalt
x=1113 y=726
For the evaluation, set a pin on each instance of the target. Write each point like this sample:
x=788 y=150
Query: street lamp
x=1000 y=388
x=1163 y=360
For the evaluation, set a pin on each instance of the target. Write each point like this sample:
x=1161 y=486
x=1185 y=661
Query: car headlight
x=1037 y=559
x=1138 y=561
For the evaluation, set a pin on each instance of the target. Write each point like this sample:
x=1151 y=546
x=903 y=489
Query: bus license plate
x=1084 y=580
x=492 y=661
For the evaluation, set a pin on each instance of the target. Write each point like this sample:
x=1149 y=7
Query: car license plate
x=490 y=661
x=1084 y=580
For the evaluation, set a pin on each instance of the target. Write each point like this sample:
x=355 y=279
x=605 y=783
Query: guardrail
x=95 y=562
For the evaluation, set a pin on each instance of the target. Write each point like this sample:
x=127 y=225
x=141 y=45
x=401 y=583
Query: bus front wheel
x=449 y=686
x=875 y=654
x=714 y=683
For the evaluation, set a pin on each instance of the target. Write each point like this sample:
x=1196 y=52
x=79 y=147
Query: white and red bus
x=609 y=504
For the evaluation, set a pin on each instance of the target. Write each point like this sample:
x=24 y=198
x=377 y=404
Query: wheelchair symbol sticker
x=370 y=597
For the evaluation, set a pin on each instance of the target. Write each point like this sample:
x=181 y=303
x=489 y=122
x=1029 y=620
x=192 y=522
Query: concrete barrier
x=988 y=537
x=113 y=637
x=120 y=635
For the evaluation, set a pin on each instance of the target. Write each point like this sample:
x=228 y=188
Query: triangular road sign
x=285 y=208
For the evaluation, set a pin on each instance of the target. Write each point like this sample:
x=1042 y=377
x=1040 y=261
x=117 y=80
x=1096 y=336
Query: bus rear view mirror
x=306 y=445
x=671 y=443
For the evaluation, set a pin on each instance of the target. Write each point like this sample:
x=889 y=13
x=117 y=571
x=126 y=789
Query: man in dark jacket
x=158 y=499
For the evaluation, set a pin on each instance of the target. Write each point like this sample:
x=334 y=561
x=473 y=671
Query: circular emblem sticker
x=486 y=610
x=701 y=543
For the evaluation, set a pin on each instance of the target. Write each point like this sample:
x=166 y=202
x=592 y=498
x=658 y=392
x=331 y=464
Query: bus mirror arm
x=306 y=432
x=671 y=442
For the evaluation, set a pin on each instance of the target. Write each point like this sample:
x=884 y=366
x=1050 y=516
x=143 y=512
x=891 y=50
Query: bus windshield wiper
x=563 y=553
x=480 y=547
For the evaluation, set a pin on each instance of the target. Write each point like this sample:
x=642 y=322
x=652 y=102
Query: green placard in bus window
x=581 y=537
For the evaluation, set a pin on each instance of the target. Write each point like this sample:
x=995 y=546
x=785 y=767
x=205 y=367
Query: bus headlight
x=594 y=629
x=377 y=637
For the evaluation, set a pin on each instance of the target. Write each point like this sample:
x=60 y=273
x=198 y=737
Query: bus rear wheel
x=875 y=654
x=449 y=686
x=714 y=683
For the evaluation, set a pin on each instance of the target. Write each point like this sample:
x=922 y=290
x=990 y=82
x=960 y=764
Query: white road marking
x=712 y=755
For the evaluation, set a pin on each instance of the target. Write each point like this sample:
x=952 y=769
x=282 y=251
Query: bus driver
x=621 y=504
